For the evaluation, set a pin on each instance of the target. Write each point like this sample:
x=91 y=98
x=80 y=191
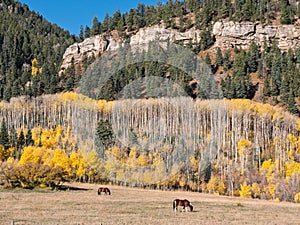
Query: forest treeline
x=229 y=147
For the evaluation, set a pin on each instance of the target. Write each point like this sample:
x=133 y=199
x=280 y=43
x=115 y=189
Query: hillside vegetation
x=230 y=147
x=263 y=72
x=31 y=51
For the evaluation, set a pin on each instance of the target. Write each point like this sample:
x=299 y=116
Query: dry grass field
x=137 y=206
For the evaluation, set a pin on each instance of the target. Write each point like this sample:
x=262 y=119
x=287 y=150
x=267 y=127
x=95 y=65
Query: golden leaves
x=245 y=191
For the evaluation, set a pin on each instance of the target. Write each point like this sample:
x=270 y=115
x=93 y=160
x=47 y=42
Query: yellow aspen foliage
x=256 y=190
x=291 y=154
x=266 y=165
x=272 y=189
x=48 y=139
x=33 y=154
x=194 y=163
x=245 y=191
x=157 y=160
x=182 y=181
x=159 y=171
x=116 y=152
x=3 y=153
x=60 y=159
x=58 y=132
x=101 y=105
x=221 y=188
x=292 y=139
x=242 y=145
x=132 y=153
x=11 y=160
x=81 y=168
x=92 y=159
x=148 y=177
x=74 y=160
x=208 y=137
x=36 y=133
x=142 y=160
x=292 y=167
x=213 y=185
x=298 y=150
x=297 y=198
x=298 y=125
x=132 y=161
x=34 y=67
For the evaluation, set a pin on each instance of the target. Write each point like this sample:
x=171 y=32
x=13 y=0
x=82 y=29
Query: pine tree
x=13 y=136
x=96 y=26
x=219 y=58
x=291 y=104
x=104 y=137
x=284 y=89
x=287 y=13
x=20 y=145
x=207 y=40
x=226 y=61
x=28 y=138
x=252 y=57
x=4 y=136
x=81 y=33
x=106 y=23
x=267 y=90
x=87 y=32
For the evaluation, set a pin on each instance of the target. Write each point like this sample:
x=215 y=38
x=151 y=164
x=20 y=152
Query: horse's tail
x=191 y=207
x=108 y=191
x=99 y=192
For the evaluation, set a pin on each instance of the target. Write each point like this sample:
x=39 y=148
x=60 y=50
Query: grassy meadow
x=137 y=206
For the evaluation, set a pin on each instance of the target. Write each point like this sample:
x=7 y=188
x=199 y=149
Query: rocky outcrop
x=229 y=34
x=98 y=44
x=90 y=46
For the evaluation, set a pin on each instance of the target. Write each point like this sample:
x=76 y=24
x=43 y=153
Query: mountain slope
x=25 y=36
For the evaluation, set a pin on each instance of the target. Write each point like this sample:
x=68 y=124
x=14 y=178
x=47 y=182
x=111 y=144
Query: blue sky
x=70 y=14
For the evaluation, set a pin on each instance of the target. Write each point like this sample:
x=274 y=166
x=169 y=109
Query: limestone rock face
x=229 y=34
x=159 y=33
x=98 y=44
x=89 y=46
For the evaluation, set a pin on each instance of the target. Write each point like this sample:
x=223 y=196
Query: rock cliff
x=98 y=44
x=228 y=34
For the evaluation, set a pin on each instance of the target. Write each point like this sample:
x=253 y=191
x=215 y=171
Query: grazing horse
x=103 y=189
x=185 y=203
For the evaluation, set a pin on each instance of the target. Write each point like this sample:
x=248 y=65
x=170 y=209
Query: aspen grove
x=229 y=147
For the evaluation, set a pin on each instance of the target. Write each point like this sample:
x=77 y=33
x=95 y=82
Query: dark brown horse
x=185 y=203
x=103 y=189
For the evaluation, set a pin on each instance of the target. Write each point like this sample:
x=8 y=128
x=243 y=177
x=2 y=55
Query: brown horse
x=185 y=203
x=103 y=189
